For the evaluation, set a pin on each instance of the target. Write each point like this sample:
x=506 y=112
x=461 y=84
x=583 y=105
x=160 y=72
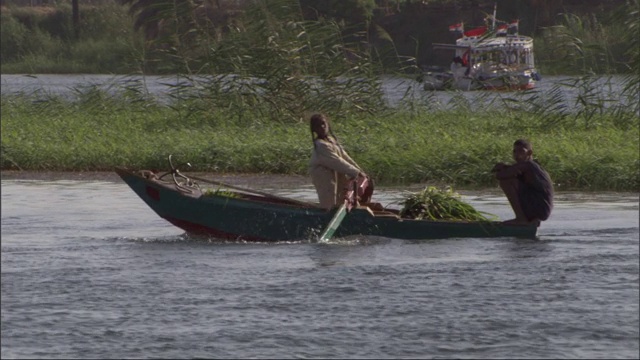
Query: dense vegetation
x=593 y=147
x=166 y=36
x=259 y=80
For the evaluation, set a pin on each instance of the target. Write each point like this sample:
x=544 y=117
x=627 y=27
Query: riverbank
x=244 y=180
x=417 y=142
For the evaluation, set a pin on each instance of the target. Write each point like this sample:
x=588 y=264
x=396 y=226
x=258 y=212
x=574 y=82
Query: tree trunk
x=76 y=17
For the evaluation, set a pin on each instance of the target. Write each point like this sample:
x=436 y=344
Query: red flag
x=457 y=27
x=476 y=32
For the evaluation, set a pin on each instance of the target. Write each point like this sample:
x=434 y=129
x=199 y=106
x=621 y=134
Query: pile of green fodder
x=440 y=204
x=219 y=192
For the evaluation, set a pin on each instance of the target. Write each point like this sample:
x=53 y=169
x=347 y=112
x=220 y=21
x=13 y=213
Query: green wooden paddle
x=360 y=189
x=334 y=223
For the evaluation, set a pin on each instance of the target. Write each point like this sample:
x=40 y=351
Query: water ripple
x=123 y=287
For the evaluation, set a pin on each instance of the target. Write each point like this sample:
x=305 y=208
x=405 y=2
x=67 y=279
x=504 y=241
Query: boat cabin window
x=513 y=56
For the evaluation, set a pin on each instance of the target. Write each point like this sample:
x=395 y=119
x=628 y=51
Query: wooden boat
x=236 y=213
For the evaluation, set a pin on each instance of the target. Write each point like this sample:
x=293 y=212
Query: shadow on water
x=528 y=248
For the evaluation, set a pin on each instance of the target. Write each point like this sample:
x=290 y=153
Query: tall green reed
x=42 y=40
x=276 y=66
x=604 y=43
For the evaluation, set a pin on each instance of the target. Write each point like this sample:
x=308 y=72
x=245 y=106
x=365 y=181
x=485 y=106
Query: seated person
x=527 y=186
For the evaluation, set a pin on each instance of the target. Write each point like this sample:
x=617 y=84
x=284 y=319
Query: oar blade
x=334 y=223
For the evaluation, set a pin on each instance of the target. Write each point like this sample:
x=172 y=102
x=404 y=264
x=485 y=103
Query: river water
x=89 y=271
x=605 y=90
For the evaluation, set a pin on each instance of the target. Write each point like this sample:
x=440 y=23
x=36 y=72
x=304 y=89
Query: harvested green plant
x=218 y=192
x=440 y=204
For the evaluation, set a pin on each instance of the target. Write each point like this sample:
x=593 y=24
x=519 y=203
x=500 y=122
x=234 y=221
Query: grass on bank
x=594 y=151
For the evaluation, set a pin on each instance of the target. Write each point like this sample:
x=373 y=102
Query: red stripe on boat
x=153 y=193
x=197 y=229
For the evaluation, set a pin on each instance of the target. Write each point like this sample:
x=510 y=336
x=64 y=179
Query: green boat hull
x=264 y=218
